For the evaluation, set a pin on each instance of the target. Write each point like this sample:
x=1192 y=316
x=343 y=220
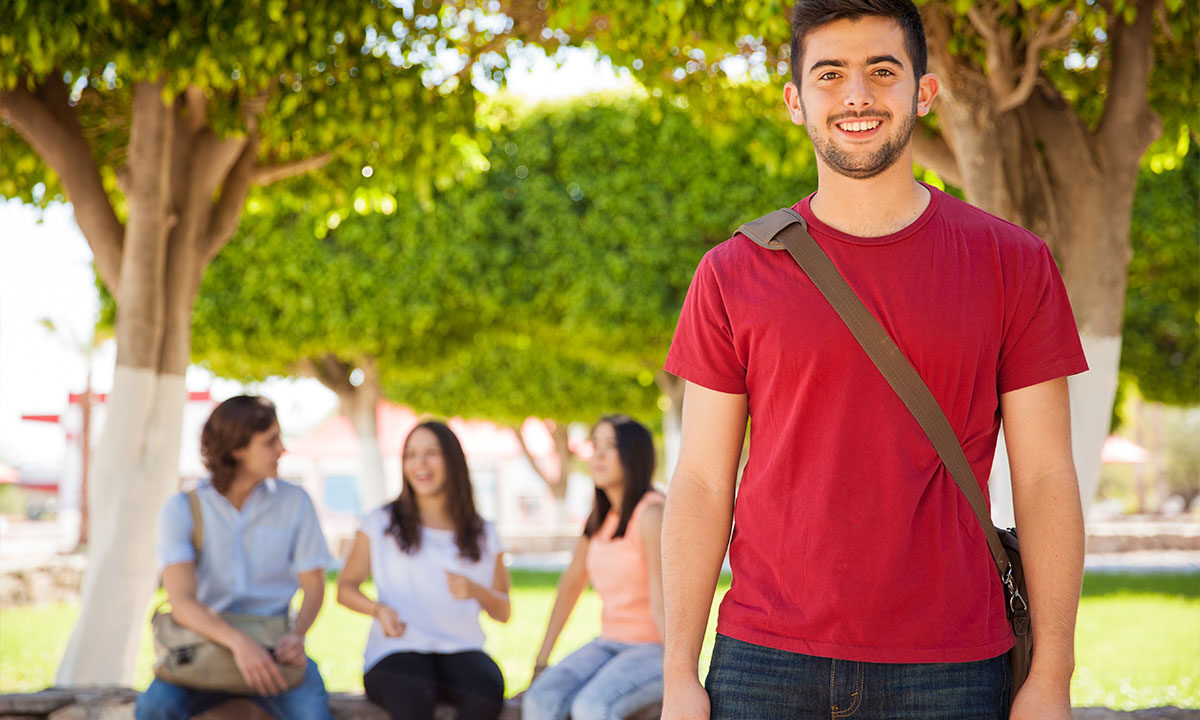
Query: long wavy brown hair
x=230 y=427
x=635 y=448
x=405 y=524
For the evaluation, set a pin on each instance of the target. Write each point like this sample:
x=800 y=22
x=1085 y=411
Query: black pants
x=408 y=684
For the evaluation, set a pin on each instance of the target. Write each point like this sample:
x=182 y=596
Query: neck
x=435 y=512
x=240 y=489
x=615 y=496
x=882 y=205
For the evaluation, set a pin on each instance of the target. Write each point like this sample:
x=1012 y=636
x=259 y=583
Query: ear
x=927 y=90
x=791 y=100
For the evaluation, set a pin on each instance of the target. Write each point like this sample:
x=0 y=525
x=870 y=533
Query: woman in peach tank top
x=620 y=672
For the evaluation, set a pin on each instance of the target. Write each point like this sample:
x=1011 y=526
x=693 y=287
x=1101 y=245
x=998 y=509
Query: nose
x=858 y=92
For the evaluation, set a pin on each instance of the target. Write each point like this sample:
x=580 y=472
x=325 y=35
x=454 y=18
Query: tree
x=548 y=287
x=1160 y=348
x=1046 y=112
x=160 y=122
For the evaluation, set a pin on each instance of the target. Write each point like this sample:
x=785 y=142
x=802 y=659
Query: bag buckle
x=1014 y=593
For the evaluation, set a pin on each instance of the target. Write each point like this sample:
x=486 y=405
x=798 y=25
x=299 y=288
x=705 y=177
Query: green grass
x=1138 y=640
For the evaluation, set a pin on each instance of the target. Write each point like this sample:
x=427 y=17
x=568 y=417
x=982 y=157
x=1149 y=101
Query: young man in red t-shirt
x=862 y=583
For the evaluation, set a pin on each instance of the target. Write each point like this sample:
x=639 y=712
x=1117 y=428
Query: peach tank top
x=619 y=574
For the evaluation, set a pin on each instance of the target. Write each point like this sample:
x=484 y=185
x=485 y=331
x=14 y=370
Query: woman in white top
x=436 y=564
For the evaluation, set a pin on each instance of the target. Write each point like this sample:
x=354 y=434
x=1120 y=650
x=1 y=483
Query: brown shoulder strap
x=789 y=228
x=197 y=523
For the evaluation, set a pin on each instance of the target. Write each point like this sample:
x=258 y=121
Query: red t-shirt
x=851 y=540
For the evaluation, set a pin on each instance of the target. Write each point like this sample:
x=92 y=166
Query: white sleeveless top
x=415 y=587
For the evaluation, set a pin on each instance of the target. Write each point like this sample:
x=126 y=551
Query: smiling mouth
x=854 y=126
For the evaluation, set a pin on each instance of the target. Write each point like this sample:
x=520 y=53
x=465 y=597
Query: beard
x=857 y=166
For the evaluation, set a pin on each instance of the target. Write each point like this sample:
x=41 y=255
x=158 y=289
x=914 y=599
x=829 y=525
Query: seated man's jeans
x=751 y=682
x=164 y=701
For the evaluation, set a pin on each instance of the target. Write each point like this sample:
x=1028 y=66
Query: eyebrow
x=873 y=60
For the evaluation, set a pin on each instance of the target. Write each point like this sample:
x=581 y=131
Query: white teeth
x=859 y=126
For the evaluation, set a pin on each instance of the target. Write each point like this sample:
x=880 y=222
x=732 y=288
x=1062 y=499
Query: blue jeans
x=603 y=680
x=751 y=682
x=164 y=701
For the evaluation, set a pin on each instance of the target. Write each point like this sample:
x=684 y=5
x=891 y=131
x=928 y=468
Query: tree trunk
x=360 y=405
x=556 y=473
x=362 y=408
x=672 y=389
x=1024 y=154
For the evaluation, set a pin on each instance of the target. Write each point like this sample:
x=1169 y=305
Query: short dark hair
x=230 y=427
x=808 y=15
x=405 y=518
x=635 y=449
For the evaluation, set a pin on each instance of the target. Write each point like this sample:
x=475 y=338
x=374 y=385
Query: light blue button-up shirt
x=251 y=558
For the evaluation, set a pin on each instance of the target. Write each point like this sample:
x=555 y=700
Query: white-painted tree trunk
x=372 y=486
x=672 y=436
x=1092 y=395
x=134 y=470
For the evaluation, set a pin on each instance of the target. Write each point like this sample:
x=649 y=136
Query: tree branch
x=39 y=119
x=931 y=151
x=227 y=212
x=268 y=174
x=529 y=456
x=1044 y=37
x=1127 y=121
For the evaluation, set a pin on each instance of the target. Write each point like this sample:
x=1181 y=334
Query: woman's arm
x=650 y=527
x=570 y=587
x=493 y=600
x=256 y=665
x=349 y=592
x=290 y=648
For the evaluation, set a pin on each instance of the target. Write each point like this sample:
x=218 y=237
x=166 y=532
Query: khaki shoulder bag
x=787 y=227
x=186 y=658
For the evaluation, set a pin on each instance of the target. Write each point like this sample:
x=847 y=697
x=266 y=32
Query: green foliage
x=680 y=47
x=1160 y=347
x=359 y=79
x=548 y=287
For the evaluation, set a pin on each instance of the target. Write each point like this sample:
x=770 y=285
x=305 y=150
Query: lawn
x=1138 y=640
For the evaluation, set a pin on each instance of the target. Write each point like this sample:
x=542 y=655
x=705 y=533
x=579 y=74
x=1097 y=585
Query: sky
x=46 y=275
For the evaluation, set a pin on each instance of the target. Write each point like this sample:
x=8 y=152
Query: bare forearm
x=564 y=602
x=695 y=537
x=495 y=603
x=1050 y=522
x=200 y=618
x=351 y=596
x=310 y=607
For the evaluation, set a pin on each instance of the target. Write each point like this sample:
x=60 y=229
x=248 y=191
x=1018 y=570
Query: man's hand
x=257 y=667
x=290 y=649
x=460 y=586
x=389 y=621
x=686 y=701
x=1041 y=701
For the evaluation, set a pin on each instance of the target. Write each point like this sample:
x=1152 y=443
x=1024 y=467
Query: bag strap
x=789 y=227
x=197 y=523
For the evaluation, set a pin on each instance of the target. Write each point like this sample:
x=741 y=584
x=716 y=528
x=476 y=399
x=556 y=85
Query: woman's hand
x=460 y=586
x=389 y=621
x=290 y=649
x=257 y=667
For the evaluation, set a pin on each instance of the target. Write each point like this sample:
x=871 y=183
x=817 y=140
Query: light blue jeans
x=164 y=701
x=603 y=680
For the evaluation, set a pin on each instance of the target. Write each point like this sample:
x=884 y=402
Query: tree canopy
x=1161 y=345
x=548 y=287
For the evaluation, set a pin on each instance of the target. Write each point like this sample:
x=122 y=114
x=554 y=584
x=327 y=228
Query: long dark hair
x=635 y=448
x=405 y=524
x=230 y=427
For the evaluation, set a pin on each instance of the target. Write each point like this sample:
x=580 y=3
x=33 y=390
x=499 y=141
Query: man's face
x=858 y=95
